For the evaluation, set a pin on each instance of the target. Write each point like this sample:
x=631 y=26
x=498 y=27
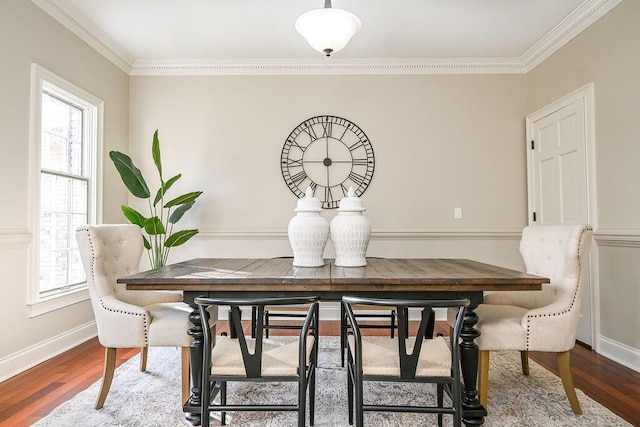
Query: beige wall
x=439 y=142
x=608 y=55
x=28 y=35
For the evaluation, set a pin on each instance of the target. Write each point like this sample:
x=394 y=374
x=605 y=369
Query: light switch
x=457 y=213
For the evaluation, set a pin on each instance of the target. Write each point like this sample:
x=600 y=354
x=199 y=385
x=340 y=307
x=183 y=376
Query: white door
x=559 y=167
x=558 y=177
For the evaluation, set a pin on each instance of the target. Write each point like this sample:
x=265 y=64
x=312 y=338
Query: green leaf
x=180 y=210
x=130 y=174
x=164 y=188
x=133 y=216
x=185 y=198
x=179 y=237
x=154 y=226
x=147 y=245
x=155 y=152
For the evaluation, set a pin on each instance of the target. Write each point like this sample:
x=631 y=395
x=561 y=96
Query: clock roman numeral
x=328 y=195
x=292 y=163
x=311 y=132
x=357 y=178
x=293 y=142
x=362 y=162
x=357 y=145
x=327 y=129
x=299 y=177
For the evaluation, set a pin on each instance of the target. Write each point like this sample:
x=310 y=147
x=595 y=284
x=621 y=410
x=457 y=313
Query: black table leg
x=473 y=411
x=194 y=403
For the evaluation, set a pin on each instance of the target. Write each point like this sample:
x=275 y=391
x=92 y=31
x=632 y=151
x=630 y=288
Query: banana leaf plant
x=158 y=226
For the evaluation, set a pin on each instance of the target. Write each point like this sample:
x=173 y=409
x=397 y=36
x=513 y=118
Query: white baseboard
x=620 y=353
x=29 y=357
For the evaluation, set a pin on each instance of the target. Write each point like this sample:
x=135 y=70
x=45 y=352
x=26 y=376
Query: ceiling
x=141 y=34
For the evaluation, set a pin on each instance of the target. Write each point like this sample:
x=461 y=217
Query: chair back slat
x=252 y=360
x=409 y=361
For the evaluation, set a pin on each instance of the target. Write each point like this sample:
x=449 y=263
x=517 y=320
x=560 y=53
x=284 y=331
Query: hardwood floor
x=31 y=395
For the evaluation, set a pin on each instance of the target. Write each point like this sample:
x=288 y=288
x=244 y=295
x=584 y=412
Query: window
x=65 y=145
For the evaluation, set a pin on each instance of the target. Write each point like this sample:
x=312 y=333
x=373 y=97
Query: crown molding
x=320 y=67
x=585 y=15
x=579 y=20
x=88 y=33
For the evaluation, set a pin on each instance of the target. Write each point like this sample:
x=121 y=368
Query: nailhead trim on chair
x=93 y=260
x=573 y=301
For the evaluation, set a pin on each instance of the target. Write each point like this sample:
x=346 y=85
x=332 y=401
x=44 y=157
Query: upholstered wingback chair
x=544 y=320
x=124 y=318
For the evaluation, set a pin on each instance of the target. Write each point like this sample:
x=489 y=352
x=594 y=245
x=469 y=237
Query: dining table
x=404 y=278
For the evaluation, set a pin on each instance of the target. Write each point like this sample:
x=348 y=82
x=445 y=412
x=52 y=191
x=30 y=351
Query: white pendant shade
x=328 y=30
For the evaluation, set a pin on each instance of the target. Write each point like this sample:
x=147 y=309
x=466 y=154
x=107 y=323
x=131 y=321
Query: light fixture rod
x=327 y=4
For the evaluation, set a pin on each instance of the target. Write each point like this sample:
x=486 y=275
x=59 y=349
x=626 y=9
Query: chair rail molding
x=15 y=237
x=381 y=234
x=618 y=237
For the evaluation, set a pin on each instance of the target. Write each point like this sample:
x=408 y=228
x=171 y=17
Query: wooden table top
x=380 y=274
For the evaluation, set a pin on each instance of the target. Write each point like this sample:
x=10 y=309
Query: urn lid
x=351 y=203
x=308 y=203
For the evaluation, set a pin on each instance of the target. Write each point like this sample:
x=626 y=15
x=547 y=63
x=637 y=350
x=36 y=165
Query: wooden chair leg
x=186 y=390
x=564 y=366
x=483 y=377
x=144 y=351
x=524 y=358
x=107 y=375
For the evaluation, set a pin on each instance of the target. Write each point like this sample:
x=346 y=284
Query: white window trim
x=42 y=78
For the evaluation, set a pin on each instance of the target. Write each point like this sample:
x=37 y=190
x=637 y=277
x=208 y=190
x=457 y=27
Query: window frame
x=92 y=107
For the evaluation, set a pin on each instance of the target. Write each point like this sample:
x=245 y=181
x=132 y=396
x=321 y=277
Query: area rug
x=152 y=398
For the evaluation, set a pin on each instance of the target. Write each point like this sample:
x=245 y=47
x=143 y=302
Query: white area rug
x=152 y=398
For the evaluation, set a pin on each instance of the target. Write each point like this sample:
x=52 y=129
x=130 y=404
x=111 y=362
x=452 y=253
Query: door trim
x=586 y=94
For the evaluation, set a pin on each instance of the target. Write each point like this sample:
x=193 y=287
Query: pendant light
x=328 y=30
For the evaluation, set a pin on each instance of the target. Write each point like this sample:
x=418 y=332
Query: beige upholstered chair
x=129 y=319
x=544 y=320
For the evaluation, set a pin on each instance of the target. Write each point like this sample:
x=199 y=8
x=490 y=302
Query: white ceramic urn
x=308 y=232
x=350 y=232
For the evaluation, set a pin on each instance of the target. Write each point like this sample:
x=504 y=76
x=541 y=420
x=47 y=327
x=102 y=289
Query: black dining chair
x=245 y=359
x=417 y=358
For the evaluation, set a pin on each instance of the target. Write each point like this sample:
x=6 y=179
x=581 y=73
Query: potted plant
x=159 y=238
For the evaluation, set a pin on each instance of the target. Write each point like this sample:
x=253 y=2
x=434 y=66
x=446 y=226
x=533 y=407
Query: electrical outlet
x=457 y=213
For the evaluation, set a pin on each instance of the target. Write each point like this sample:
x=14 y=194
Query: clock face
x=329 y=154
